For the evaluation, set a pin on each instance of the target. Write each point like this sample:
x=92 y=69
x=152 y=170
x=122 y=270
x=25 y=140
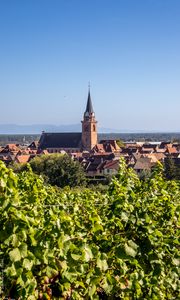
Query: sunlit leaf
x=15 y=255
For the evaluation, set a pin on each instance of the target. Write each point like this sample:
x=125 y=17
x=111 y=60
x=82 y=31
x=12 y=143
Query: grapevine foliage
x=79 y=244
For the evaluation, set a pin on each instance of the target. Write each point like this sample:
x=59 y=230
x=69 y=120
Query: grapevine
x=80 y=244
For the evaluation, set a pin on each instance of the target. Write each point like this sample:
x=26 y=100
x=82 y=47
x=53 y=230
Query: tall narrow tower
x=89 y=126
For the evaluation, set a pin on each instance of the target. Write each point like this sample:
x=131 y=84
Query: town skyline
x=129 y=51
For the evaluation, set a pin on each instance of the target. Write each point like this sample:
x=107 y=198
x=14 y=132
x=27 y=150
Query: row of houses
x=140 y=156
x=103 y=159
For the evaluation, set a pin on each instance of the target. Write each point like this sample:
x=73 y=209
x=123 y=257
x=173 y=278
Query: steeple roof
x=89 y=107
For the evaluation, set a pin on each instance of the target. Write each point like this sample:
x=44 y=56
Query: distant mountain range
x=38 y=128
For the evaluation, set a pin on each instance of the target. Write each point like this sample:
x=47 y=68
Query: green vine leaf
x=15 y=255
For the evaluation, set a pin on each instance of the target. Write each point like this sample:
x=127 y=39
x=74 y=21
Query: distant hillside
x=38 y=128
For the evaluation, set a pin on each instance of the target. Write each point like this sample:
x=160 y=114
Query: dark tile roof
x=149 y=146
x=89 y=107
x=34 y=145
x=92 y=166
x=60 y=140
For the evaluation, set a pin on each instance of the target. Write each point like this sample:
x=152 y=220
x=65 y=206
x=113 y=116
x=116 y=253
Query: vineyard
x=80 y=244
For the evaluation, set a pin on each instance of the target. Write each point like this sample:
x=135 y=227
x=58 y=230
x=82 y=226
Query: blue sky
x=129 y=50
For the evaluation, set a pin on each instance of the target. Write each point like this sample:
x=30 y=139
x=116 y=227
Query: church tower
x=89 y=126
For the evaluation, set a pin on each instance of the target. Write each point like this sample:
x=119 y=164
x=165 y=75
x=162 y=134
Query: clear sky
x=128 y=49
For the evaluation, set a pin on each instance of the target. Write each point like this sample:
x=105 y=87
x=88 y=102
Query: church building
x=73 y=141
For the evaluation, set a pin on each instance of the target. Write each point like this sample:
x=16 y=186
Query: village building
x=144 y=164
x=73 y=141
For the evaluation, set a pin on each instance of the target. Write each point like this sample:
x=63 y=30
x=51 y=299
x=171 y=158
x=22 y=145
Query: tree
x=59 y=170
x=170 y=169
x=17 y=167
x=144 y=174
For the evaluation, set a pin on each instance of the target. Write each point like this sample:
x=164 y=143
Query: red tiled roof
x=171 y=150
x=10 y=148
x=22 y=158
x=113 y=164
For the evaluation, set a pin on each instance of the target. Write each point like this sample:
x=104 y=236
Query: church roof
x=89 y=107
x=60 y=140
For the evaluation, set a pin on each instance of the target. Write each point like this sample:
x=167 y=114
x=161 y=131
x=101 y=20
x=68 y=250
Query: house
x=7 y=158
x=111 y=167
x=157 y=156
x=34 y=145
x=143 y=164
x=11 y=149
x=110 y=145
x=95 y=162
x=170 y=149
x=22 y=159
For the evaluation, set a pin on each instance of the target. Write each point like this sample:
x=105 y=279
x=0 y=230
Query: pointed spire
x=89 y=108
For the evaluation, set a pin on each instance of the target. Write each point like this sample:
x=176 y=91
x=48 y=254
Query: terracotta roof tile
x=22 y=158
